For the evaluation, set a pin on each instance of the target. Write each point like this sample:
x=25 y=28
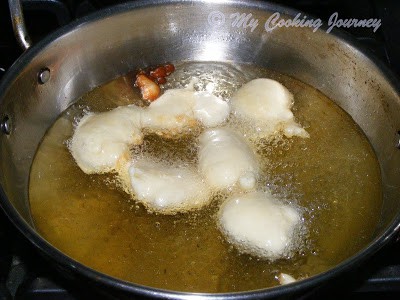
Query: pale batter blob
x=225 y=159
x=265 y=105
x=259 y=224
x=179 y=110
x=101 y=139
x=165 y=188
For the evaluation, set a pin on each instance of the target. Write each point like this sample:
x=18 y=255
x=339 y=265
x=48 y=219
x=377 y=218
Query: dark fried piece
x=148 y=80
x=148 y=88
x=169 y=68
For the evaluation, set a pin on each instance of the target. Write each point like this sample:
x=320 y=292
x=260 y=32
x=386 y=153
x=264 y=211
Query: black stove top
x=26 y=275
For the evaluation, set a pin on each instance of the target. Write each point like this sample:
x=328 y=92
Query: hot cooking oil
x=333 y=177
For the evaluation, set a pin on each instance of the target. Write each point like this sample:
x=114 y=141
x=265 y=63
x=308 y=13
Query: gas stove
x=24 y=274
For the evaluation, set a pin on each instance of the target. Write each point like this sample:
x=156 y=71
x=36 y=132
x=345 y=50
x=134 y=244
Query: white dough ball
x=266 y=104
x=210 y=110
x=167 y=189
x=225 y=159
x=101 y=139
x=171 y=113
x=179 y=110
x=257 y=223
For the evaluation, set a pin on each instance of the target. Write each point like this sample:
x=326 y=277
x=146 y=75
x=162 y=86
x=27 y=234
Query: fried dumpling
x=226 y=160
x=101 y=139
x=179 y=110
x=265 y=104
x=210 y=110
x=166 y=188
x=257 y=223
